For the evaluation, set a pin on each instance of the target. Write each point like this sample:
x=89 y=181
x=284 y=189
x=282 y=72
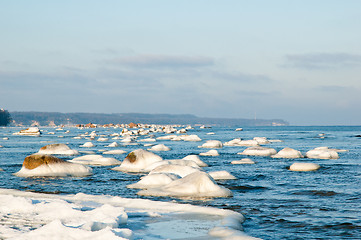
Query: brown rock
x=35 y=160
x=133 y=125
x=131 y=157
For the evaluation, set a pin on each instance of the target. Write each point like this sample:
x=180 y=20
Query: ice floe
x=31 y=216
x=96 y=160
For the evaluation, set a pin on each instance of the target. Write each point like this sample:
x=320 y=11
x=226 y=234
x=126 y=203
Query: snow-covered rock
x=154 y=180
x=322 y=153
x=288 y=153
x=221 y=175
x=259 y=151
x=196 y=159
x=57 y=148
x=137 y=161
x=212 y=144
x=159 y=148
x=212 y=152
x=113 y=144
x=191 y=138
x=114 y=152
x=31 y=131
x=87 y=145
x=94 y=159
x=175 y=169
x=243 y=161
x=302 y=166
x=43 y=165
x=195 y=185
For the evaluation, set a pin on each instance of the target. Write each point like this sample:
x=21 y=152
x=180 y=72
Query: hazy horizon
x=299 y=62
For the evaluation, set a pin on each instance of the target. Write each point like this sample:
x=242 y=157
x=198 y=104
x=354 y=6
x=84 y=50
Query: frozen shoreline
x=39 y=215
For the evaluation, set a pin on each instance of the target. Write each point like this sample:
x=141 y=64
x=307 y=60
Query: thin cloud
x=241 y=77
x=163 y=61
x=316 y=61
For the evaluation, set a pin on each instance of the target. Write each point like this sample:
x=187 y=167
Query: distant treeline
x=5 y=117
x=50 y=118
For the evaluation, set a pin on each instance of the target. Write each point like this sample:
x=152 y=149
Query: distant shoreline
x=57 y=118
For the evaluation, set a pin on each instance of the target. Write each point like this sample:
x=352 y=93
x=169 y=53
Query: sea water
x=277 y=203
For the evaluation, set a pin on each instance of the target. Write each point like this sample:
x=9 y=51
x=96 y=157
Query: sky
x=294 y=60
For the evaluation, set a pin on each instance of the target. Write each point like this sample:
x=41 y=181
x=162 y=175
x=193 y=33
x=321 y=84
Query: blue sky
x=295 y=60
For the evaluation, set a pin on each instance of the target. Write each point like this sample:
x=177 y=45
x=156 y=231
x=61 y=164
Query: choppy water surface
x=277 y=203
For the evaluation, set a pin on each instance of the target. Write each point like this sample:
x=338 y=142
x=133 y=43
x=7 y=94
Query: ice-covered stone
x=88 y=145
x=196 y=159
x=288 y=153
x=243 y=161
x=159 y=148
x=259 y=151
x=212 y=144
x=302 y=166
x=322 y=153
x=43 y=165
x=195 y=185
x=137 y=161
x=154 y=180
x=94 y=159
x=221 y=175
x=212 y=152
x=58 y=148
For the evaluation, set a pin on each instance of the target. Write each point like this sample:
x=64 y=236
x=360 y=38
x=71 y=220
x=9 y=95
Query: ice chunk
x=58 y=148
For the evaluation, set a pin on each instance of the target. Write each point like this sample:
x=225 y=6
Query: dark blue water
x=277 y=203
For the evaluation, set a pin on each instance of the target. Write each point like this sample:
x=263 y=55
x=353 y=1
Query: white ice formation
x=57 y=148
x=212 y=152
x=259 y=151
x=212 y=144
x=195 y=185
x=322 y=153
x=303 y=166
x=288 y=153
x=95 y=160
x=137 y=161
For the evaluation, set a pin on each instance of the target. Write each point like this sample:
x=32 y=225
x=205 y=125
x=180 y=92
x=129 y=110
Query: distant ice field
x=277 y=203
